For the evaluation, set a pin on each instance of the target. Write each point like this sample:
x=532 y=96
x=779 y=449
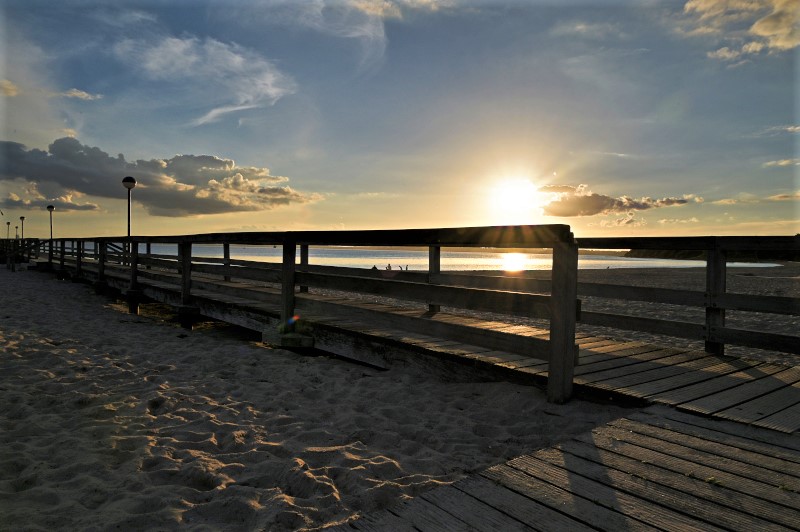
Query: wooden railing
x=559 y=305
x=553 y=299
x=715 y=298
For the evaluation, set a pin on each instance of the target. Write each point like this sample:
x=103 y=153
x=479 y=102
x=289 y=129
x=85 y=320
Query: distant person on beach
x=374 y=267
x=388 y=266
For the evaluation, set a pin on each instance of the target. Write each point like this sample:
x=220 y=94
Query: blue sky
x=617 y=118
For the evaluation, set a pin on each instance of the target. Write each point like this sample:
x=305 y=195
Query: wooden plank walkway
x=658 y=469
x=751 y=392
x=720 y=451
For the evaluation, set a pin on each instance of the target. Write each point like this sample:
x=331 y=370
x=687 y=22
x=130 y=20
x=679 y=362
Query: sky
x=618 y=118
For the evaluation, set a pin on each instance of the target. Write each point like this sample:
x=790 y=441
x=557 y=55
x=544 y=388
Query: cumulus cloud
x=233 y=76
x=180 y=186
x=580 y=201
x=745 y=27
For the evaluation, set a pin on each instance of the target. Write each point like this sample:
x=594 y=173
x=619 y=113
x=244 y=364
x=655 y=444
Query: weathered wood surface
x=759 y=394
x=656 y=469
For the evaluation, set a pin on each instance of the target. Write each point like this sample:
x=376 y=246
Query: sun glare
x=515 y=201
x=513 y=262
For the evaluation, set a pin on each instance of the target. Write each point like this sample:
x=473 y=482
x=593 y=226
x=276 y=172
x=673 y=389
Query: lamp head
x=128 y=182
x=51 y=208
x=22 y=218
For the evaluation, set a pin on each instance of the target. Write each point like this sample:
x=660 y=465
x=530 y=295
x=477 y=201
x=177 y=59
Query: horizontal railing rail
x=553 y=298
x=288 y=277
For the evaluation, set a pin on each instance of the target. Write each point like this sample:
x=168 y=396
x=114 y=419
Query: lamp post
x=51 y=208
x=129 y=182
x=8 y=230
x=22 y=219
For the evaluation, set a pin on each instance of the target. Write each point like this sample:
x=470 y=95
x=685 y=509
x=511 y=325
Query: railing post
x=78 y=259
x=303 y=263
x=62 y=252
x=100 y=283
x=133 y=294
x=434 y=268
x=187 y=313
x=287 y=284
x=716 y=277
x=563 y=306
x=226 y=257
x=185 y=256
x=148 y=250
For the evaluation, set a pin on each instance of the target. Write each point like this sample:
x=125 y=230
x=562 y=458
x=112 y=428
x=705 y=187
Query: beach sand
x=112 y=421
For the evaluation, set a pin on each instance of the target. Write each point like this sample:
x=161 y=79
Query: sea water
x=415 y=259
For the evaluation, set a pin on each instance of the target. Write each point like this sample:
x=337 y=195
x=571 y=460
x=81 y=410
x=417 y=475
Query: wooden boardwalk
x=751 y=392
x=720 y=451
x=655 y=470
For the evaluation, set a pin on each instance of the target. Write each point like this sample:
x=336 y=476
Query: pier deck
x=748 y=391
x=716 y=450
x=655 y=470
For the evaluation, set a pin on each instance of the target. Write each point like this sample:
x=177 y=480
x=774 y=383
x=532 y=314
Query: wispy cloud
x=792 y=196
x=587 y=30
x=580 y=201
x=8 y=88
x=183 y=185
x=746 y=28
x=678 y=221
x=229 y=73
x=80 y=95
x=782 y=162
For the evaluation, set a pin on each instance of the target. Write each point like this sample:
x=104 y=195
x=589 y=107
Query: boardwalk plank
x=518 y=506
x=427 y=516
x=790 y=471
x=682 y=498
x=618 y=362
x=642 y=373
x=764 y=406
x=472 y=511
x=715 y=385
x=768 y=477
x=785 y=421
x=632 y=506
x=732 y=434
x=740 y=506
x=702 y=373
x=588 y=511
x=749 y=390
x=644 y=449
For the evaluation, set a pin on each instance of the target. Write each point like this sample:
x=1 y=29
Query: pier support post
x=134 y=295
x=303 y=263
x=716 y=277
x=563 y=305
x=226 y=257
x=434 y=268
x=287 y=284
x=62 y=252
x=188 y=314
x=78 y=261
x=100 y=285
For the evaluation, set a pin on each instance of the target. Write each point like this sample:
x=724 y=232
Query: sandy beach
x=112 y=421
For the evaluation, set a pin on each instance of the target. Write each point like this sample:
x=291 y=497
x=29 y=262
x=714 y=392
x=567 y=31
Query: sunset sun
x=515 y=201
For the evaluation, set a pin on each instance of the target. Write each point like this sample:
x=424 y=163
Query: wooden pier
x=718 y=448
